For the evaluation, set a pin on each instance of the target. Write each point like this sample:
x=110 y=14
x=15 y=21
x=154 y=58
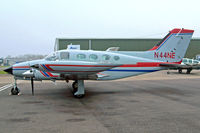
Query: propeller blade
x=32 y=85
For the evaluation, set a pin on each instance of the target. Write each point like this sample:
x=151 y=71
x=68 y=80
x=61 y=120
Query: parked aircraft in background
x=188 y=65
x=187 y=61
x=80 y=65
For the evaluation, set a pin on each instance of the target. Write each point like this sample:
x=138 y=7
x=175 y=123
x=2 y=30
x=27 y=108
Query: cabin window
x=93 y=57
x=81 y=56
x=190 y=61
x=64 y=55
x=196 y=62
x=184 y=60
x=116 y=58
x=105 y=57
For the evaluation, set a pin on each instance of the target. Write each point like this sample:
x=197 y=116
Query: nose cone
x=9 y=70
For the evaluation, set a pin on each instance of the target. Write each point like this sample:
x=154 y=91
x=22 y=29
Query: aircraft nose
x=9 y=70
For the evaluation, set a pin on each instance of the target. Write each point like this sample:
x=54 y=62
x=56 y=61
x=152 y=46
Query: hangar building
x=125 y=44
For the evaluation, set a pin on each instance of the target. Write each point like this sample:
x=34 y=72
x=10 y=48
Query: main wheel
x=188 y=71
x=79 y=96
x=179 y=70
x=168 y=72
x=15 y=91
x=75 y=87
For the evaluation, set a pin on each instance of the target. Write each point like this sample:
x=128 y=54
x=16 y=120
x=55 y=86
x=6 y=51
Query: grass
x=2 y=72
x=3 y=66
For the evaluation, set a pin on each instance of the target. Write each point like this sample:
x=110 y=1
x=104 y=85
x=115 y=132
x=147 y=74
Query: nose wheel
x=15 y=90
x=78 y=89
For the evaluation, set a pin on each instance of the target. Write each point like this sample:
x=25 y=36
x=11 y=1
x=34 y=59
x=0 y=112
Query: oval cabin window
x=81 y=56
x=93 y=57
x=116 y=58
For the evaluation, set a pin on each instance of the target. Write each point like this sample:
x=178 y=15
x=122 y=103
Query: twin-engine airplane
x=188 y=64
x=80 y=65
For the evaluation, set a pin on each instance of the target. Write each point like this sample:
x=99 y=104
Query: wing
x=83 y=71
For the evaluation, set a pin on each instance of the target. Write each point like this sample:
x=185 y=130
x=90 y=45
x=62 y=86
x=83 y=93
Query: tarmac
x=149 y=103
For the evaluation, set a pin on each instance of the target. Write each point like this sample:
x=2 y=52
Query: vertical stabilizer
x=173 y=47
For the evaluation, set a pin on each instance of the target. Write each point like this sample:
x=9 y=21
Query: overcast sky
x=31 y=26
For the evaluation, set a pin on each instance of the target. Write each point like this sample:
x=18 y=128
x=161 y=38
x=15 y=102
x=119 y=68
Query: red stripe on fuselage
x=43 y=67
x=43 y=74
x=21 y=67
x=148 y=64
x=142 y=64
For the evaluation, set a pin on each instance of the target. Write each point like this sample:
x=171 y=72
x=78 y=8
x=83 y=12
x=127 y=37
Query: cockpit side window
x=52 y=57
x=64 y=55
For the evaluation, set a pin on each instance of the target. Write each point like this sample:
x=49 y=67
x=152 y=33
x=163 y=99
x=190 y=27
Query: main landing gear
x=187 y=72
x=15 y=90
x=78 y=88
x=179 y=70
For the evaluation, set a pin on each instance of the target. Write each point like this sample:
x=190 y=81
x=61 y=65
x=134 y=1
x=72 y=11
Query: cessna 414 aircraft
x=80 y=65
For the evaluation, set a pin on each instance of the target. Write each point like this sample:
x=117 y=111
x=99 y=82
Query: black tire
x=168 y=72
x=15 y=91
x=188 y=71
x=179 y=70
x=79 y=96
x=75 y=87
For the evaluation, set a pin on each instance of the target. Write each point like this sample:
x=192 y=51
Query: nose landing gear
x=15 y=90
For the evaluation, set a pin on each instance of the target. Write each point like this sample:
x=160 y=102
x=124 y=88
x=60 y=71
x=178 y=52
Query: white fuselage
x=78 y=64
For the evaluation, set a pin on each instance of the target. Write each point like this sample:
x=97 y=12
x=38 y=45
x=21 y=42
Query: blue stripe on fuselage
x=45 y=67
x=45 y=73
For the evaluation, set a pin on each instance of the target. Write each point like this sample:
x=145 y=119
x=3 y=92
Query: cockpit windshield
x=62 y=55
x=52 y=57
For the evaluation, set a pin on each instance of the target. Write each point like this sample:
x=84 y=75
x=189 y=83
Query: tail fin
x=173 y=46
